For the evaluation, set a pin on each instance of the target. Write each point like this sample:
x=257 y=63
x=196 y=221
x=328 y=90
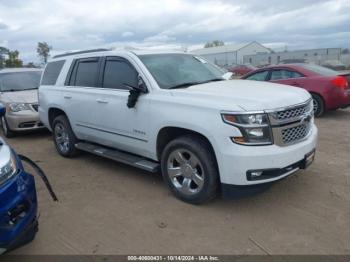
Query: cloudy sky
x=82 y=24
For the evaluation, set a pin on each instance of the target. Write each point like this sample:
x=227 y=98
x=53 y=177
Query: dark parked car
x=329 y=89
x=241 y=69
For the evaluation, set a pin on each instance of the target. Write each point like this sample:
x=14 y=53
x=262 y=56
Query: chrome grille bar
x=292 y=124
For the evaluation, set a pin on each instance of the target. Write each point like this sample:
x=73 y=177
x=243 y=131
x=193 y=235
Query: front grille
x=291 y=135
x=35 y=107
x=293 y=112
x=292 y=124
x=27 y=124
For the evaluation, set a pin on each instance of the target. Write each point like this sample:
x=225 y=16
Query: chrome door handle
x=101 y=101
x=67 y=97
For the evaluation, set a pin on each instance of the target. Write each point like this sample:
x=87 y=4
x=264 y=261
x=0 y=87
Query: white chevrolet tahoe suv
x=171 y=111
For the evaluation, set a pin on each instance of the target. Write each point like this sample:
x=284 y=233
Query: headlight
x=255 y=128
x=8 y=170
x=16 y=107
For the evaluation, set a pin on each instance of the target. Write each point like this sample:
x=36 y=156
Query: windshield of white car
x=19 y=81
x=180 y=70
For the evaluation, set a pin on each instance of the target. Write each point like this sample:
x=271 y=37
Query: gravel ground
x=109 y=208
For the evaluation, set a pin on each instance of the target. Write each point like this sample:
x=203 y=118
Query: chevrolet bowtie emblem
x=305 y=119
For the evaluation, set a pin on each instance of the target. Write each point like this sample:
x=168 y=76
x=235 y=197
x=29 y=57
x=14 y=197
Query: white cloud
x=159 y=38
x=127 y=34
x=80 y=24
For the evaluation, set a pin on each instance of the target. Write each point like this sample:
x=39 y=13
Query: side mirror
x=228 y=76
x=141 y=86
x=136 y=91
x=2 y=110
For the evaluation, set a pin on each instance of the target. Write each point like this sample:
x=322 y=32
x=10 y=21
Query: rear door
x=80 y=96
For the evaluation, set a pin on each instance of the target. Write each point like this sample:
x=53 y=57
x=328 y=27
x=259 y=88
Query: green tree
x=3 y=51
x=13 y=59
x=214 y=43
x=43 y=50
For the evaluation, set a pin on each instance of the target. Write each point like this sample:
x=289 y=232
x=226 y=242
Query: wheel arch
x=53 y=113
x=321 y=96
x=169 y=133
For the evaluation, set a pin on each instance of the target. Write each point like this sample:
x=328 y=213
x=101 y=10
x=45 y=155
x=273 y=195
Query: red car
x=329 y=89
x=241 y=69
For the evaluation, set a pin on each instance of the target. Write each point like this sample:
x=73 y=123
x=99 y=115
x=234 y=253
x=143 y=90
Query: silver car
x=19 y=94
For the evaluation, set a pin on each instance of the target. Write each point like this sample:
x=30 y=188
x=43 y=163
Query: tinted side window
x=87 y=73
x=52 y=72
x=284 y=74
x=117 y=73
x=259 y=76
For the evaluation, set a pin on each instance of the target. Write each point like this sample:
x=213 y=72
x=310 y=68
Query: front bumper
x=18 y=210
x=234 y=191
x=235 y=161
x=24 y=121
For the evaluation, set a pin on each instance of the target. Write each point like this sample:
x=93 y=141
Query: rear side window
x=85 y=72
x=259 y=76
x=319 y=69
x=118 y=73
x=51 y=73
x=284 y=74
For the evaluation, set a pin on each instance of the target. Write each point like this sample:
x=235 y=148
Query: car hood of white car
x=248 y=95
x=26 y=96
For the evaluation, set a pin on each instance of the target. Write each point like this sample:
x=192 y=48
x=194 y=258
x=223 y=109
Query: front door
x=117 y=125
x=287 y=77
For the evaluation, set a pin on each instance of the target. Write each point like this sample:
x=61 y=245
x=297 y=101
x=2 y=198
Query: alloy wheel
x=185 y=171
x=4 y=125
x=62 y=138
x=315 y=103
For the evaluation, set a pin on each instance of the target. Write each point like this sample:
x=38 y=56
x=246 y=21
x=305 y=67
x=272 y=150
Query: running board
x=119 y=156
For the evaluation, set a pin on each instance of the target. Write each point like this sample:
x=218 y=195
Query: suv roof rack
x=82 y=52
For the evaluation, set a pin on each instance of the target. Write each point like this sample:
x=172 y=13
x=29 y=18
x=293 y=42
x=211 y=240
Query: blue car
x=18 y=200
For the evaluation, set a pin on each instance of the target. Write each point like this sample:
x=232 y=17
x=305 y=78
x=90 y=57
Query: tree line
x=11 y=58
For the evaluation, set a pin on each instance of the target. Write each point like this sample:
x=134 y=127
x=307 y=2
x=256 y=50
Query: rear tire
x=189 y=169
x=319 y=107
x=63 y=137
x=6 y=129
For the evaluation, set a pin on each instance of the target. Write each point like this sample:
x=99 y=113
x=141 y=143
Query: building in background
x=317 y=56
x=228 y=55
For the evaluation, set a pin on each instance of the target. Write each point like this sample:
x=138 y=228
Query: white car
x=19 y=94
x=170 y=111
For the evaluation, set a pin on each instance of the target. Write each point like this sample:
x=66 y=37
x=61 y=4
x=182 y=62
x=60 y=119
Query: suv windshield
x=180 y=70
x=19 y=81
x=319 y=70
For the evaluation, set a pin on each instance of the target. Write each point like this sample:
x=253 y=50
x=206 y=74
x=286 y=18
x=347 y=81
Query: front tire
x=189 y=169
x=318 y=103
x=6 y=129
x=64 y=137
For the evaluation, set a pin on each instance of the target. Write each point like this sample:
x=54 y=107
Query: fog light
x=256 y=174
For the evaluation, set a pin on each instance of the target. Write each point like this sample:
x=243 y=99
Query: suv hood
x=246 y=94
x=27 y=96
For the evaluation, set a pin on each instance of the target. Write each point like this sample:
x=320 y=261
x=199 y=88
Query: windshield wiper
x=184 y=85
x=187 y=84
x=18 y=90
x=213 y=80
